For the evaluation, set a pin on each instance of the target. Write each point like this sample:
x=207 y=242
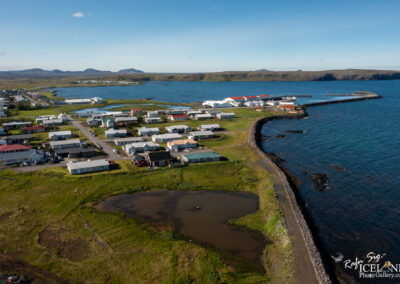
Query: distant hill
x=41 y=73
x=130 y=71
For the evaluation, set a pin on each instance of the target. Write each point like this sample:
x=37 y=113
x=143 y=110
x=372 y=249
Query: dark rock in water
x=266 y=139
x=294 y=131
x=319 y=181
x=336 y=167
x=274 y=157
x=305 y=173
x=280 y=136
x=266 y=136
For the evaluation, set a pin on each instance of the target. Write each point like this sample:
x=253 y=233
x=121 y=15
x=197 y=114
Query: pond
x=201 y=217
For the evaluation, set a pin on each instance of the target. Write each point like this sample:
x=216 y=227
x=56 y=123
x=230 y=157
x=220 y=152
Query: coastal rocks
x=274 y=157
x=338 y=168
x=280 y=136
x=295 y=131
x=319 y=181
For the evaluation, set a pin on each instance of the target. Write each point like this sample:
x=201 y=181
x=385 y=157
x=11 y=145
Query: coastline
x=307 y=256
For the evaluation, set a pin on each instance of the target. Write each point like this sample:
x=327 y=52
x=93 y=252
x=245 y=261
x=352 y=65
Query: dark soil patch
x=74 y=250
x=13 y=265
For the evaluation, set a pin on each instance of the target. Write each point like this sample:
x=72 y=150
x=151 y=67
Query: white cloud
x=78 y=15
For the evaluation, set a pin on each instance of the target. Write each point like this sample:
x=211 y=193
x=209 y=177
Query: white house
x=192 y=113
x=209 y=127
x=93 y=122
x=30 y=156
x=88 y=166
x=148 y=131
x=177 y=129
x=226 y=115
x=127 y=140
x=41 y=118
x=60 y=135
x=115 y=133
x=140 y=147
x=126 y=120
x=177 y=145
x=62 y=144
x=52 y=122
x=196 y=135
x=163 y=138
x=152 y=119
x=63 y=117
x=152 y=113
x=203 y=116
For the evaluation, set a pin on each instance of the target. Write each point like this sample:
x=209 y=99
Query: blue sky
x=199 y=36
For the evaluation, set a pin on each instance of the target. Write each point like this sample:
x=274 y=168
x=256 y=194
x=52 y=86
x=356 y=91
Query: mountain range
x=37 y=72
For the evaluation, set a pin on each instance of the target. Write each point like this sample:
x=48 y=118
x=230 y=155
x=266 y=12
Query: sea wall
x=288 y=201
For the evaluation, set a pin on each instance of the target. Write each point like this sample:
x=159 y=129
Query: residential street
x=106 y=148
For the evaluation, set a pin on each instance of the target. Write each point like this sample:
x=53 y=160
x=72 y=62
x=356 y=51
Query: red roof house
x=34 y=129
x=175 y=117
x=14 y=148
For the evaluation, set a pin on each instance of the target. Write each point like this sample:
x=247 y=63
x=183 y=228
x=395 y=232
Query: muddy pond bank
x=201 y=217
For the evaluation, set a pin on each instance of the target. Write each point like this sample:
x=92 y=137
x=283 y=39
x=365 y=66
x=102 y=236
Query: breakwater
x=360 y=97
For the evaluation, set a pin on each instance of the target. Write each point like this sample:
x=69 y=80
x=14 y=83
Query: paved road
x=97 y=141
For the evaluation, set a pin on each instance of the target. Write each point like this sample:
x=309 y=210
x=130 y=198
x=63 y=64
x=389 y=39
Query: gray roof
x=20 y=155
x=128 y=139
x=87 y=164
x=64 y=142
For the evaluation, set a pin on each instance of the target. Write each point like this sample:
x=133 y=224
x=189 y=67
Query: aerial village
x=88 y=142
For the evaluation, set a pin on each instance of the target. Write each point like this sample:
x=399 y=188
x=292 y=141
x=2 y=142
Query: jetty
x=357 y=96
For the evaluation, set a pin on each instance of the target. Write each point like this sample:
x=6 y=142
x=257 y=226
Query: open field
x=46 y=219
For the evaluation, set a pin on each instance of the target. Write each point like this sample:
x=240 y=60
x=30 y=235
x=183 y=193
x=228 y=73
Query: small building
x=201 y=157
x=286 y=107
x=226 y=115
x=163 y=138
x=78 y=152
x=52 y=122
x=209 y=127
x=152 y=120
x=140 y=147
x=197 y=135
x=178 y=129
x=97 y=100
x=159 y=159
x=136 y=111
x=88 y=166
x=63 y=117
x=42 y=118
x=127 y=140
x=110 y=133
x=62 y=144
x=139 y=161
x=152 y=114
x=126 y=120
x=18 y=139
x=30 y=156
x=175 y=111
x=14 y=148
x=108 y=122
x=212 y=112
x=148 y=131
x=177 y=117
x=93 y=122
x=203 y=116
x=2 y=132
x=177 y=145
x=192 y=113
x=34 y=129
x=16 y=125
x=60 y=135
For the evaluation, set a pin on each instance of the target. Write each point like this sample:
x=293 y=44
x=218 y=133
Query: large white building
x=88 y=166
x=163 y=138
x=140 y=147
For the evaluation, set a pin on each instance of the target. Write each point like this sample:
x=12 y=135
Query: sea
x=356 y=144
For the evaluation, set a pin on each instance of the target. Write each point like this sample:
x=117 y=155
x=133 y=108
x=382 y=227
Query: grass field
x=46 y=219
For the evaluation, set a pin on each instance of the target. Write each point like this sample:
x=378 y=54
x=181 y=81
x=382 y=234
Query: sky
x=199 y=36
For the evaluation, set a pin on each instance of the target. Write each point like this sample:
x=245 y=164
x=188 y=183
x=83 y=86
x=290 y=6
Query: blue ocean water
x=360 y=213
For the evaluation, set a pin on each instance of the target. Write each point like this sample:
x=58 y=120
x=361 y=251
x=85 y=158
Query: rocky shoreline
x=290 y=205
x=285 y=190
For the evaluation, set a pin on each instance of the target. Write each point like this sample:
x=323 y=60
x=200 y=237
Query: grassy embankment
x=83 y=245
